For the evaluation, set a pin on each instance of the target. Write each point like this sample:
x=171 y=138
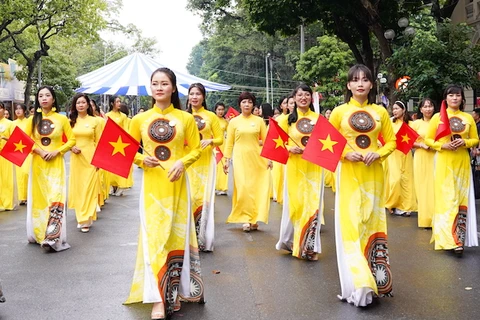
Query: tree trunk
x=29 y=80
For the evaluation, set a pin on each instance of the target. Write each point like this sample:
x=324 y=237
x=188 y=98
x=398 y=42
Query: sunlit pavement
x=245 y=277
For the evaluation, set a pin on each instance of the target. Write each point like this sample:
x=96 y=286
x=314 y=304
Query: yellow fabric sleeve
x=230 y=139
x=192 y=136
x=388 y=136
x=432 y=130
x=216 y=130
x=67 y=130
x=134 y=131
x=472 y=139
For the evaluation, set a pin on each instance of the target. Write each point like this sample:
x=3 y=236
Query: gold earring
x=39 y=109
x=54 y=109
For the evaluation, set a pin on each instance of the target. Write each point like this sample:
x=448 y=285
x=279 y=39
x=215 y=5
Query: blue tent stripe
x=142 y=91
x=131 y=76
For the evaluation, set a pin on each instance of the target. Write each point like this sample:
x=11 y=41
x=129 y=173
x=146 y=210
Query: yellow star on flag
x=119 y=146
x=406 y=138
x=19 y=146
x=328 y=143
x=279 y=142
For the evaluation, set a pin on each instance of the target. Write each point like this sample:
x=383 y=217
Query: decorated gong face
x=161 y=131
x=162 y=153
x=46 y=127
x=305 y=125
x=45 y=141
x=200 y=122
x=304 y=140
x=363 y=141
x=457 y=124
x=362 y=121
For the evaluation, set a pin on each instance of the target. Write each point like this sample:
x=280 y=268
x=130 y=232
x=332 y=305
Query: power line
x=251 y=76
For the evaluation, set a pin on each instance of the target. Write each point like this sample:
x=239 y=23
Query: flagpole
x=148 y=154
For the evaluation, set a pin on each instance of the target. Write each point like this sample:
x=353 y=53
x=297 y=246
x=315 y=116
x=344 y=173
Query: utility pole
x=266 y=76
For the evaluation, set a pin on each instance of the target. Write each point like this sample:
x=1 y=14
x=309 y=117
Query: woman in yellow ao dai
x=423 y=165
x=202 y=173
x=360 y=219
x=251 y=178
x=22 y=172
x=329 y=176
x=47 y=178
x=8 y=194
x=302 y=212
x=118 y=184
x=221 y=185
x=400 y=192
x=84 y=182
x=278 y=170
x=454 y=220
x=168 y=264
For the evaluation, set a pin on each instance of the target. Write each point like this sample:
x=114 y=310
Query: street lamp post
x=271 y=79
x=266 y=76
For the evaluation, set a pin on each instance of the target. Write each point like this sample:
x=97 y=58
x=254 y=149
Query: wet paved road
x=92 y=279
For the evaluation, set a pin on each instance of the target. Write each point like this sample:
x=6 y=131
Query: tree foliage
x=79 y=19
x=438 y=55
x=326 y=65
x=233 y=52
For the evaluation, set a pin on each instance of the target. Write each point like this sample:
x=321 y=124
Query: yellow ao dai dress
x=22 y=172
x=47 y=183
x=400 y=189
x=360 y=219
x=84 y=183
x=202 y=176
x=8 y=193
x=168 y=261
x=454 y=220
x=302 y=213
x=423 y=168
x=251 y=177
x=222 y=179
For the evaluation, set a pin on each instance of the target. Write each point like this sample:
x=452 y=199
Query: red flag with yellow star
x=325 y=145
x=115 y=150
x=406 y=136
x=274 y=145
x=218 y=154
x=231 y=113
x=443 y=128
x=17 y=147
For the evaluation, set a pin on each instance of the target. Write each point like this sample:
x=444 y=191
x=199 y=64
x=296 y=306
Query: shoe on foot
x=246 y=227
x=85 y=229
x=254 y=226
x=158 y=311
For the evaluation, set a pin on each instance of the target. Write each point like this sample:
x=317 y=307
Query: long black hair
x=293 y=117
x=455 y=88
x=280 y=104
x=73 y=108
x=200 y=87
x=406 y=115
x=174 y=99
x=111 y=102
x=20 y=106
x=354 y=73
x=37 y=117
x=422 y=104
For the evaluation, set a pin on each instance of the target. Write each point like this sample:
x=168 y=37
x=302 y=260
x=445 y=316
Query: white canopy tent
x=131 y=76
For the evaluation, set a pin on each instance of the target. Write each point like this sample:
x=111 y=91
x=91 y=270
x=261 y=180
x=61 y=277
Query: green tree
x=234 y=52
x=80 y=19
x=438 y=55
x=326 y=65
x=359 y=23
